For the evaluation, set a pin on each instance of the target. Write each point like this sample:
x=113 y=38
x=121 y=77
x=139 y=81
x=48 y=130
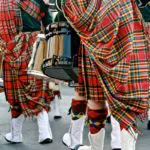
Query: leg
x=74 y=136
x=115 y=134
x=128 y=139
x=56 y=101
x=15 y=136
x=45 y=133
x=31 y=95
x=97 y=114
x=148 y=125
x=109 y=115
x=56 y=104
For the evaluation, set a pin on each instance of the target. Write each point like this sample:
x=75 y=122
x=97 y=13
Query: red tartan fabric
x=114 y=55
x=25 y=93
x=30 y=6
x=147 y=30
x=86 y=76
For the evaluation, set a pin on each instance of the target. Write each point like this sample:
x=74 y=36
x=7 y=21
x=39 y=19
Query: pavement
x=59 y=127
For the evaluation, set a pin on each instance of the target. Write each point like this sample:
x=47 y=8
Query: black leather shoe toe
x=57 y=117
x=46 y=141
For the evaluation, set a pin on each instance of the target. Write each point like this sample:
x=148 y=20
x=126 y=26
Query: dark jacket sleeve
x=47 y=18
x=35 y=14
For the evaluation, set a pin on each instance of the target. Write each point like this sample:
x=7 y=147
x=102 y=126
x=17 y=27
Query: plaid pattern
x=31 y=7
x=115 y=46
x=25 y=93
x=147 y=31
x=86 y=76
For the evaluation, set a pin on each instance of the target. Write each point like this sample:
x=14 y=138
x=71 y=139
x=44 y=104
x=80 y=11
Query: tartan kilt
x=147 y=31
x=25 y=93
x=88 y=83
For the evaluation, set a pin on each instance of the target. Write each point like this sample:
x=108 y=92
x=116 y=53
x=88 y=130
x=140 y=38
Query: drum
x=38 y=54
x=62 y=61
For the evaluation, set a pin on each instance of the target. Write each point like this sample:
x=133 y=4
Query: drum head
x=38 y=74
x=66 y=74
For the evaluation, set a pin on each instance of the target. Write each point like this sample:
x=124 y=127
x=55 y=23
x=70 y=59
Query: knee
x=78 y=97
x=96 y=105
x=97 y=119
x=16 y=112
x=79 y=106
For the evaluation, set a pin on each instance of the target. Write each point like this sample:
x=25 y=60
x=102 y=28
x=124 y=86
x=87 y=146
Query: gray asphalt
x=59 y=127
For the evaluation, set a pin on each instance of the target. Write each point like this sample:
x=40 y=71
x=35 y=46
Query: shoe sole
x=12 y=142
x=76 y=148
x=46 y=141
x=64 y=143
x=57 y=117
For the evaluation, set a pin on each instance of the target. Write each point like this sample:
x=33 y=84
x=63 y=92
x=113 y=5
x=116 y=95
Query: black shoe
x=11 y=142
x=116 y=149
x=57 y=117
x=148 y=125
x=46 y=141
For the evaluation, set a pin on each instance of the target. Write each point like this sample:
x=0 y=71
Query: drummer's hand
x=46 y=1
